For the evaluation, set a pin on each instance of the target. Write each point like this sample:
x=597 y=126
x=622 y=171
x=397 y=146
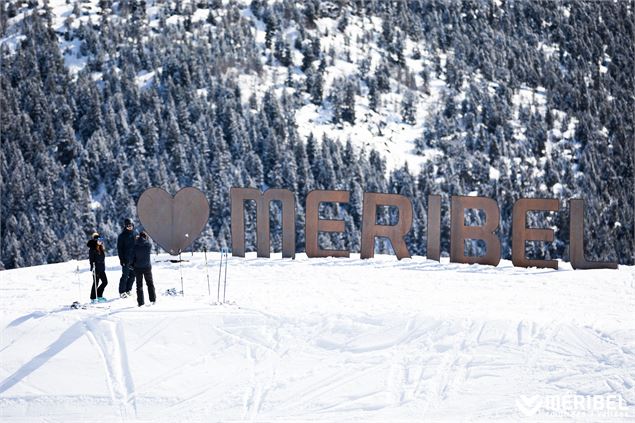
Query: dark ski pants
x=147 y=274
x=127 y=279
x=97 y=278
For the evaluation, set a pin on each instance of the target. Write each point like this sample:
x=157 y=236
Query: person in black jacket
x=143 y=268
x=97 y=257
x=92 y=242
x=125 y=251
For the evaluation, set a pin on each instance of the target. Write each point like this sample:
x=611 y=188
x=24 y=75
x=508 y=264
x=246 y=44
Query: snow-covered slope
x=321 y=340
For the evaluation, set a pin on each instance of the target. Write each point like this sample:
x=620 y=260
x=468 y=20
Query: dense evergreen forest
x=98 y=104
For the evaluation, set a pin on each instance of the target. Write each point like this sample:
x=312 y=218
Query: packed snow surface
x=320 y=340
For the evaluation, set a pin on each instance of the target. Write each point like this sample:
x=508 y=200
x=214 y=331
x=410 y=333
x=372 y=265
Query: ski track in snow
x=317 y=340
x=109 y=337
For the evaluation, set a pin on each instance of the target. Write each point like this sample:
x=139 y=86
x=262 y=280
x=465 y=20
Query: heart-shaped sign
x=173 y=222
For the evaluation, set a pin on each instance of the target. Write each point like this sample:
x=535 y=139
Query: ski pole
x=181 y=270
x=225 y=284
x=220 y=267
x=94 y=281
x=79 y=291
x=209 y=290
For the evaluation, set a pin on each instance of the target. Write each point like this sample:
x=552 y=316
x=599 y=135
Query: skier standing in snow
x=97 y=257
x=125 y=251
x=143 y=268
x=92 y=246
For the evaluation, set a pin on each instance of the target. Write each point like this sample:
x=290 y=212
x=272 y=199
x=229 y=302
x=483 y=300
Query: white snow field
x=321 y=340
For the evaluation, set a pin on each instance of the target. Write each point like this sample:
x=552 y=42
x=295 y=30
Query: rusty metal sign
x=173 y=222
x=459 y=232
x=395 y=233
x=314 y=224
x=434 y=228
x=576 y=239
x=521 y=233
x=238 y=198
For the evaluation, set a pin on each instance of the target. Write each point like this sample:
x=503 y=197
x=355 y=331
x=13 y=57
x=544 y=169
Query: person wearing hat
x=125 y=251
x=92 y=242
x=97 y=258
x=143 y=268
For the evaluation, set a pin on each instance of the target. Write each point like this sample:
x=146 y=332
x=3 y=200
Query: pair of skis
x=85 y=306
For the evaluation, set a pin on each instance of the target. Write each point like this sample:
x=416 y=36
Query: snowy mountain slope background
x=101 y=99
x=323 y=340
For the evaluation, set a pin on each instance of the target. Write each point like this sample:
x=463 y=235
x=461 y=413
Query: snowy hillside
x=102 y=99
x=382 y=129
x=324 y=340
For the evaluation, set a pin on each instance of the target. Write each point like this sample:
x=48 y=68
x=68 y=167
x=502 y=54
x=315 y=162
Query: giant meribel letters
x=434 y=227
x=175 y=222
x=395 y=233
x=238 y=198
x=459 y=232
x=576 y=239
x=521 y=233
x=314 y=224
